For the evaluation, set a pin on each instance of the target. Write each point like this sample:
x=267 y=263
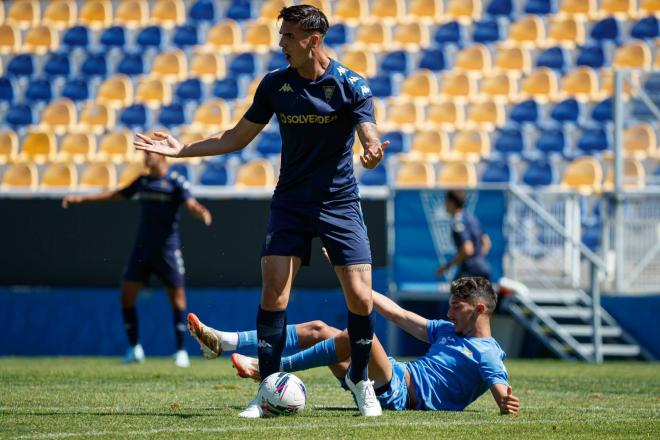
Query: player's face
x=295 y=43
x=462 y=314
x=152 y=160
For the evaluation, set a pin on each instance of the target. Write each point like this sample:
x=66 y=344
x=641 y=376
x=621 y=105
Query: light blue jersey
x=456 y=370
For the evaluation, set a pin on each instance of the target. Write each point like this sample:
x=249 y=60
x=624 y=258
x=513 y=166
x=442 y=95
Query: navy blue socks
x=130 y=324
x=361 y=334
x=271 y=336
x=180 y=328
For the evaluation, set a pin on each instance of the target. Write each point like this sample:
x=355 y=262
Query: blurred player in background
x=471 y=242
x=462 y=363
x=319 y=104
x=157 y=247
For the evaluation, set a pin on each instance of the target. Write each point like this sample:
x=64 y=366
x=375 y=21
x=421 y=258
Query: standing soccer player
x=157 y=247
x=319 y=104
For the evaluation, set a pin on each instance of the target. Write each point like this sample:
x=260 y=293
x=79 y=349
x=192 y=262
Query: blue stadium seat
x=593 y=140
x=497 y=171
x=185 y=36
x=646 y=28
x=554 y=57
x=76 y=89
x=39 y=90
x=94 y=65
x=277 y=60
x=525 y=111
x=592 y=56
x=540 y=7
x=151 y=36
x=243 y=64
x=451 y=32
x=131 y=64
x=398 y=142
x=20 y=65
x=374 y=177
x=202 y=10
x=77 y=36
x=509 y=140
x=134 y=116
x=500 y=7
x=239 y=10
x=567 y=110
x=591 y=236
x=269 y=143
x=396 y=62
x=337 y=35
x=606 y=30
x=551 y=140
x=19 y=115
x=189 y=90
x=226 y=88
x=57 y=64
x=215 y=173
x=539 y=173
x=487 y=31
x=114 y=36
x=603 y=111
x=7 y=91
x=381 y=86
x=172 y=115
x=433 y=58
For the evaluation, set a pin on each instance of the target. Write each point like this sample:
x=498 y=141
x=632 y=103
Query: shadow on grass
x=111 y=413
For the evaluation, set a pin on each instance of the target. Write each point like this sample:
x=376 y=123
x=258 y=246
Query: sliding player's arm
x=199 y=211
x=504 y=398
x=410 y=322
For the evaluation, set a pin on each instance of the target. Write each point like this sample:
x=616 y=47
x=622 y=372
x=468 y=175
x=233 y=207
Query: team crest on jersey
x=328 y=91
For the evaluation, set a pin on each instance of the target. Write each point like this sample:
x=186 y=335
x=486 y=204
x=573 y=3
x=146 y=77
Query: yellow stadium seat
x=8 y=146
x=323 y=5
x=446 y=115
x=457 y=174
x=97 y=117
x=116 y=146
x=464 y=11
x=411 y=36
x=24 y=14
x=584 y=175
x=581 y=83
x=426 y=11
x=379 y=108
x=99 y=175
x=238 y=110
x=351 y=12
x=607 y=82
x=211 y=117
x=374 y=36
x=41 y=40
x=470 y=145
x=623 y=9
x=486 y=115
x=39 y=146
x=414 y=174
x=96 y=14
x=634 y=176
x=10 y=39
x=59 y=116
x=116 y=91
x=2 y=12
x=225 y=37
x=640 y=141
x=255 y=174
x=172 y=66
x=77 y=147
x=270 y=9
x=458 y=85
x=153 y=92
x=567 y=31
x=261 y=37
x=130 y=172
x=577 y=8
x=252 y=88
x=420 y=86
x=542 y=85
x=61 y=14
x=430 y=145
x=500 y=87
x=132 y=14
x=528 y=31
x=513 y=60
x=361 y=62
x=20 y=176
x=208 y=66
x=168 y=13
x=405 y=116
x=388 y=11
x=474 y=59
x=635 y=55
x=650 y=7
x=60 y=176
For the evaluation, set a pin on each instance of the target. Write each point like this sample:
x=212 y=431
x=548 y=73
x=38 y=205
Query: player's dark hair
x=311 y=19
x=457 y=197
x=474 y=290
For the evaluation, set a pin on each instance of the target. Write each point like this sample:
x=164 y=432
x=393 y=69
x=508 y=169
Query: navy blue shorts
x=340 y=227
x=166 y=264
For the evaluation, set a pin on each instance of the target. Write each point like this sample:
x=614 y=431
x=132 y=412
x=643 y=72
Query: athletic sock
x=180 y=328
x=360 y=333
x=318 y=355
x=131 y=325
x=247 y=341
x=228 y=340
x=271 y=335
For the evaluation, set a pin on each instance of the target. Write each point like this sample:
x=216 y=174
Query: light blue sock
x=319 y=355
x=247 y=341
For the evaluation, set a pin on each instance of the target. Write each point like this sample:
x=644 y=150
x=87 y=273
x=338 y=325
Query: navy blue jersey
x=317 y=121
x=466 y=227
x=160 y=198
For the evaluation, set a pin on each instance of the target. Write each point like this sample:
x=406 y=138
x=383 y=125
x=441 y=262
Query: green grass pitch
x=61 y=398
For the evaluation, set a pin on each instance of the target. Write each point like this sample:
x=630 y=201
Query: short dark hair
x=311 y=19
x=457 y=197
x=475 y=289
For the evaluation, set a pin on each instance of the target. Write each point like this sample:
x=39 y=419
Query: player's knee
x=320 y=330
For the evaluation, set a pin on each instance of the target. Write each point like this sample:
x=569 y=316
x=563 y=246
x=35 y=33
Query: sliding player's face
x=463 y=315
x=296 y=43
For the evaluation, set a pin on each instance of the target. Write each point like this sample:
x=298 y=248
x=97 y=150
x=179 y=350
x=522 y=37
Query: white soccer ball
x=282 y=394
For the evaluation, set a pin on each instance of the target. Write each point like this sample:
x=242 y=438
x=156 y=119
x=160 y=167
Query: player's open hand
x=70 y=200
x=509 y=404
x=164 y=144
x=373 y=156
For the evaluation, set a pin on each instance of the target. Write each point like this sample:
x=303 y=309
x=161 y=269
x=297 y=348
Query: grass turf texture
x=44 y=398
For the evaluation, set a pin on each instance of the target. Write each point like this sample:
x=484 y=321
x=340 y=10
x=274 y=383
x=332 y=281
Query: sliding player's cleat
x=246 y=366
x=207 y=338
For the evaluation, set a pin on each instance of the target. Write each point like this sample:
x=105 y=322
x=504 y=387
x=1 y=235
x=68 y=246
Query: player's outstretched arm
x=373 y=148
x=506 y=401
x=222 y=143
x=72 y=199
x=410 y=322
x=199 y=211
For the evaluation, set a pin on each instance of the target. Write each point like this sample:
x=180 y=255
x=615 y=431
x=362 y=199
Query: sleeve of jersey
x=184 y=188
x=492 y=369
x=261 y=111
x=436 y=328
x=460 y=231
x=363 y=110
x=129 y=191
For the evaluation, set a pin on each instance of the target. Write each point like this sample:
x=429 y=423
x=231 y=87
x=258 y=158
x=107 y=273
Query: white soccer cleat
x=365 y=397
x=246 y=366
x=206 y=337
x=134 y=355
x=252 y=411
x=181 y=359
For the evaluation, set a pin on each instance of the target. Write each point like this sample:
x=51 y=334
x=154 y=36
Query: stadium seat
x=539 y=173
x=581 y=83
x=172 y=115
x=225 y=37
x=470 y=145
x=542 y=85
x=211 y=117
x=239 y=10
x=113 y=37
x=593 y=140
x=381 y=86
x=426 y=11
x=76 y=36
x=351 y=12
x=276 y=60
x=76 y=89
x=583 y=175
x=8 y=146
x=172 y=66
x=38 y=146
x=243 y=64
x=513 y=60
x=61 y=14
x=269 y=143
x=136 y=116
x=457 y=174
x=260 y=37
x=116 y=91
x=450 y=33
x=59 y=116
x=215 y=173
x=255 y=174
x=399 y=141
x=606 y=29
x=464 y=11
x=607 y=82
x=116 y=146
x=360 y=61
x=414 y=173
x=420 y=86
x=509 y=140
x=323 y=5
x=500 y=8
x=7 y=90
x=551 y=140
x=57 y=64
x=555 y=58
x=271 y=8
x=95 y=64
x=20 y=176
x=623 y=9
x=337 y=35
x=171 y=13
x=189 y=90
x=591 y=56
x=77 y=147
x=500 y=87
x=372 y=36
x=131 y=64
x=497 y=171
x=19 y=115
x=649 y=7
x=403 y=116
x=567 y=110
x=474 y=59
x=540 y=7
x=132 y=14
x=97 y=117
x=185 y=36
x=582 y=9
x=446 y=115
x=388 y=11
x=96 y=14
x=411 y=36
x=459 y=86
x=566 y=32
x=433 y=59
x=130 y=172
x=528 y=31
x=646 y=28
x=10 y=39
x=430 y=145
x=603 y=111
x=39 y=90
x=634 y=175
x=25 y=14
x=487 y=31
x=238 y=110
x=149 y=37
x=634 y=55
x=202 y=10
x=374 y=177
x=208 y=66
x=640 y=141
x=98 y=175
x=486 y=115
x=21 y=65
x=60 y=176
x=226 y=88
